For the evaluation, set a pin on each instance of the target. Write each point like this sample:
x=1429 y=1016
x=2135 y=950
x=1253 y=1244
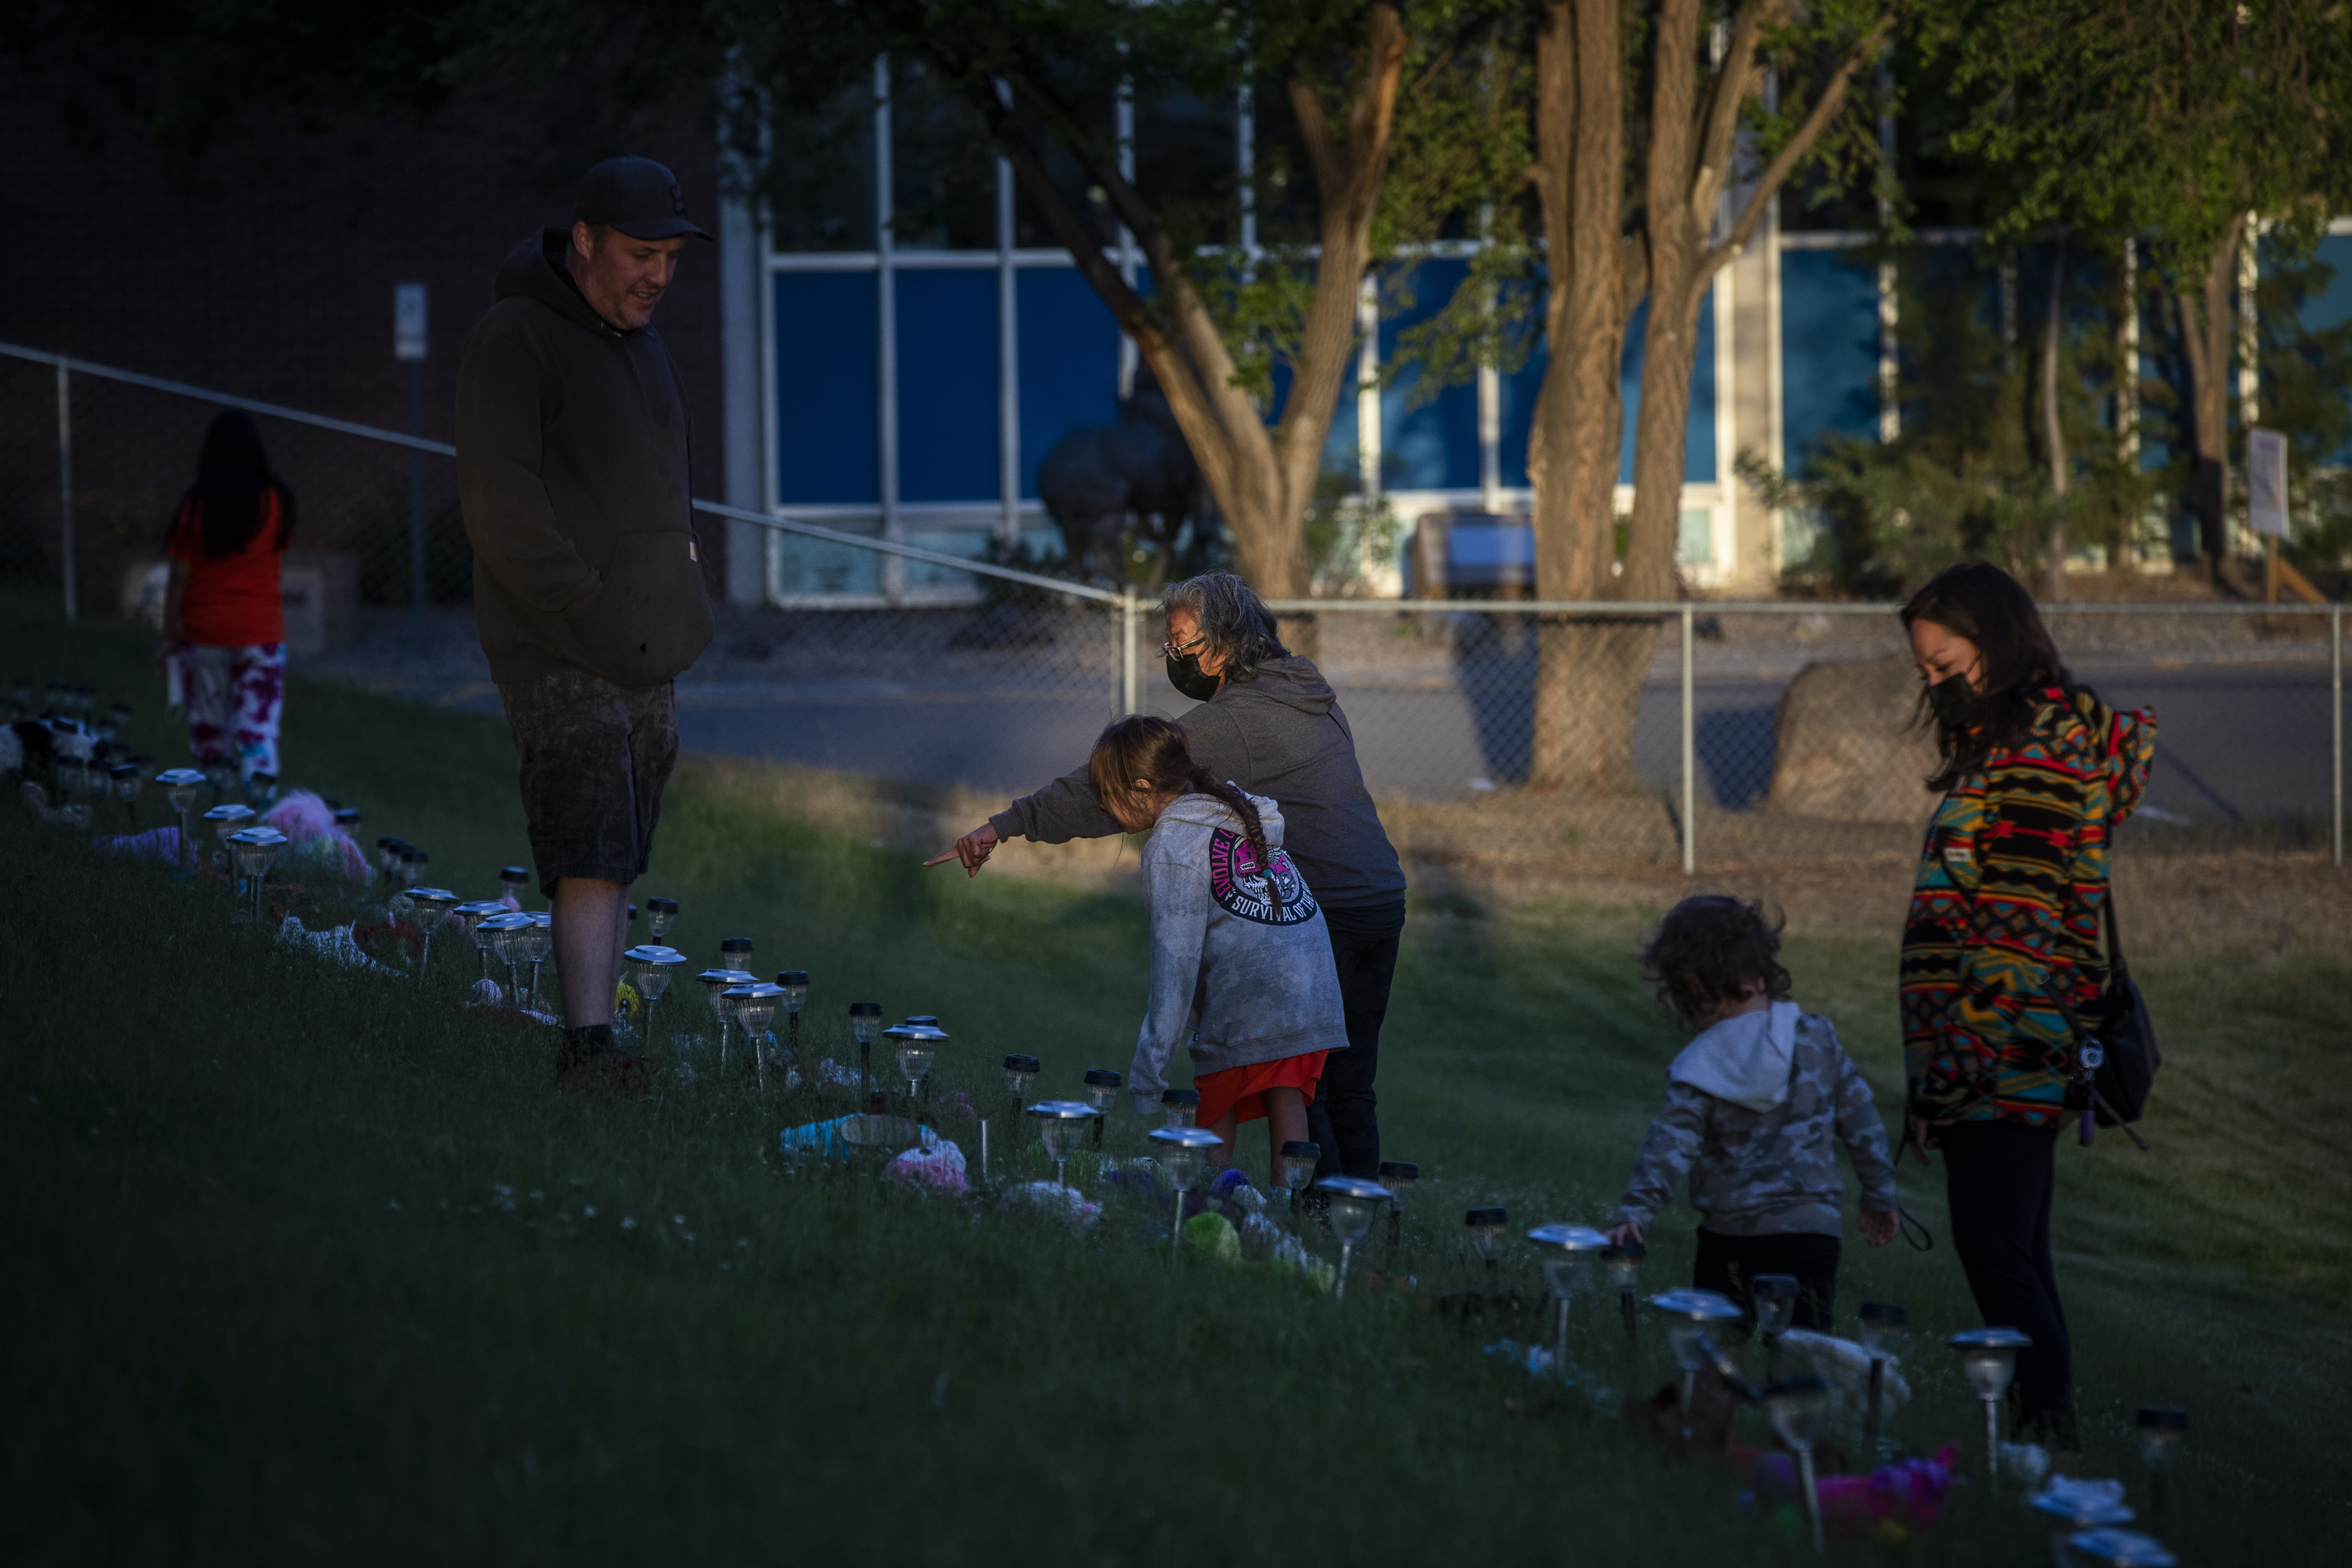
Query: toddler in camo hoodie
x=1752 y=1104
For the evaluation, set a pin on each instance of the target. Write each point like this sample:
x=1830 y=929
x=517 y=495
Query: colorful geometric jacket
x=2006 y=913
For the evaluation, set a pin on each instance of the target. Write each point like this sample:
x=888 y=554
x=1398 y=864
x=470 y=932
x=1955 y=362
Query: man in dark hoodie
x=1269 y=722
x=574 y=471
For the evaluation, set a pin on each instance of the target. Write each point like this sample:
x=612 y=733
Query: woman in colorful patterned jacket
x=2001 y=953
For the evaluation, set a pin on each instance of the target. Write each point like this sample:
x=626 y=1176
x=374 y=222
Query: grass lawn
x=301 y=1264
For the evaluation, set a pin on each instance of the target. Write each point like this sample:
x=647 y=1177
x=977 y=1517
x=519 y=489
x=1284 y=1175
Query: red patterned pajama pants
x=233 y=695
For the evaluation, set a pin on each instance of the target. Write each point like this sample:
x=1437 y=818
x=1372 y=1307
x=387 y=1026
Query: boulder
x=1845 y=745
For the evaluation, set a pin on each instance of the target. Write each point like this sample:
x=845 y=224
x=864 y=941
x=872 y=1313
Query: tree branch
x=1830 y=104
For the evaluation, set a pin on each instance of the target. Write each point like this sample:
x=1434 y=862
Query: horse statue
x=1097 y=476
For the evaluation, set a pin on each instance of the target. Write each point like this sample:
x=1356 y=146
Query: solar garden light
x=755 y=1008
x=252 y=850
x=1567 y=1249
x=660 y=913
x=180 y=787
x=472 y=912
x=2161 y=1430
x=865 y=1023
x=716 y=983
x=1797 y=1408
x=437 y=903
x=515 y=880
x=1182 y=1151
x=1398 y=1176
x=2076 y=1511
x=1298 y=1161
x=347 y=817
x=228 y=819
x=1989 y=1357
x=261 y=788
x=387 y=857
x=1883 y=1323
x=413 y=862
x=1351 y=1202
x=1020 y=1072
x=505 y=933
x=650 y=968
x=1058 y=1126
x=1690 y=1315
x=795 y=984
x=1775 y=1299
x=735 y=953
x=1102 y=1091
x=2112 y=1548
x=918 y=1046
x=126 y=778
x=537 y=948
x=1485 y=1228
x=1623 y=1261
x=1180 y=1107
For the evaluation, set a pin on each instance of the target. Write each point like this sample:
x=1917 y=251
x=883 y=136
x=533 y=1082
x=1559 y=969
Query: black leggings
x=1998 y=1177
x=1345 y=1117
x=1726 y=1264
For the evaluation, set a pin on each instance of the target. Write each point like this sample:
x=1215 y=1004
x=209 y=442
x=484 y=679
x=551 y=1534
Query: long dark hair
x=232 y=479
x=1142 y=746
x=1710 y=949
x=1978 y=601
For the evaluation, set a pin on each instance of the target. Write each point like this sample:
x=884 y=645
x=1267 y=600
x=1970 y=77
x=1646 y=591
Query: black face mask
x=1185 y=675
x=1958 y=706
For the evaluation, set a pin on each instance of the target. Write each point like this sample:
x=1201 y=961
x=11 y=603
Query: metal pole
x=2336 y=715
x=65 y=485
x=1690 y=755
x=1127 y=619
x=416 y=490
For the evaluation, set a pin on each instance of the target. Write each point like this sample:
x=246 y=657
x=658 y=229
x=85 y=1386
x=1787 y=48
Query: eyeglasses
x=1176 y=650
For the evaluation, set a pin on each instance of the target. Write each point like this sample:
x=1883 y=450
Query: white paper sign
x=2266 y=482
x=408 y=320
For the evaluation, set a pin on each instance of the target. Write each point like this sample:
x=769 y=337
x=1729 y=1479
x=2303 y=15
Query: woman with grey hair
x=1268 y=722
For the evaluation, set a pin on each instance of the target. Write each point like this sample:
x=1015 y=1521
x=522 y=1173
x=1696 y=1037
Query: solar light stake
x=865 y=1023
x=1485 y=1228
x=507 y=933
x=660 y=913
x=2161 y=1430
x=1180 y=1107
x=1882 y=1336
x=1351 y=1202
x=180 y=787
x=1020 y=1072
x=716 y=983
x=1182 y=1151
x=1775 y=1297
x=755 y=1007
x=1102 y=1089
x=515 y=881
x=651 y=966
x=796 y=984
x=540 y=946
x=437 y=903
x=1623 y=1262
x=1796 y=1409
x=1566 y=1249
x=473 y=913
x=1299 y=1159
x=1398 y=1176
x=919 y=1046
x=1690 y=1315
x=1058 y=1127
x=1989 y=1357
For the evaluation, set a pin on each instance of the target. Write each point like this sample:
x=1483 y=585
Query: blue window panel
x=947 y=386
x=1435 y=445
x=828 y=390
x=799 y=564
x=2332 y=306
x=1699 y=436
x=1343 y=451
x=965 y=541
x=1829 y=348
x=1517 y=390
x=1069 y=361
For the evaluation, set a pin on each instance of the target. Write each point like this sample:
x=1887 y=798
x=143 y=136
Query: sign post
x=408 y=344
x=2266 y=499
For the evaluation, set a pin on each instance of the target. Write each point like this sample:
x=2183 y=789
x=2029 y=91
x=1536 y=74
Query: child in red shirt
x=224 y=626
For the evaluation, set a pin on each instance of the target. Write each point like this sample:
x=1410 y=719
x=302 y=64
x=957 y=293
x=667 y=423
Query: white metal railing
x=1131 y=609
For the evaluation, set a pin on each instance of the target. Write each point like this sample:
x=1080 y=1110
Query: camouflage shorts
x=594 y=759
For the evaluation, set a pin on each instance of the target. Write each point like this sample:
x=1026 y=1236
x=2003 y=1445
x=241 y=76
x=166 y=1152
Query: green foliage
x=1346 y=533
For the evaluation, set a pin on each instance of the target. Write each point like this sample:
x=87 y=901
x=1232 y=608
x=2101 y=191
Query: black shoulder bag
x=2115 y=1064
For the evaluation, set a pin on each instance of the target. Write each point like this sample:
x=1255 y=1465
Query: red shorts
x=1242 y=1090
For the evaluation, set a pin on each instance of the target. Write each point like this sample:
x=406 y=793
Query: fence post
x=2336 y=716
x=416 y=491
x=1126 y=619
x=1690 y=755
x=65 y=484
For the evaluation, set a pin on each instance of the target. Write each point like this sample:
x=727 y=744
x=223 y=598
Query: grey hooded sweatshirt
x=1280 y=734
x=1248 y=980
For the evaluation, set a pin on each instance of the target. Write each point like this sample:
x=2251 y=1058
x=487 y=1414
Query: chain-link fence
x=1706 y=733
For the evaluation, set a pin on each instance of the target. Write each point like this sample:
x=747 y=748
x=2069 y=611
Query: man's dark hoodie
x=572 y=470
x=1280 y=734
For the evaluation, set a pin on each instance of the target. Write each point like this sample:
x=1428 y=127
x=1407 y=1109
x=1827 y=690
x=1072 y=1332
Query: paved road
x=2236 y=741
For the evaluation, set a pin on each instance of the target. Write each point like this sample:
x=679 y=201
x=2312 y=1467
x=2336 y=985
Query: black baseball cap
x=636 y=196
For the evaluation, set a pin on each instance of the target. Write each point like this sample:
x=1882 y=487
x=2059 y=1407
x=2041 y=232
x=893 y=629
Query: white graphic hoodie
x=1248 y=980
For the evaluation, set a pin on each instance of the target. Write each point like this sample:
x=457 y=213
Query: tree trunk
x=2053 y=429
x=1572 y=448
x=2205 y=338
